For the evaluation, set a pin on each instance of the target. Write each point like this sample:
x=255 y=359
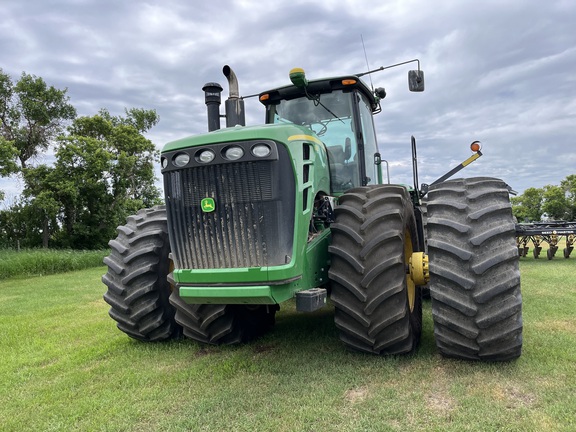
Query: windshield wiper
x=316 y=100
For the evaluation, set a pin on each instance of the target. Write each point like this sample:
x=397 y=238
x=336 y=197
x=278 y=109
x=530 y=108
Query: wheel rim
x=410 y=286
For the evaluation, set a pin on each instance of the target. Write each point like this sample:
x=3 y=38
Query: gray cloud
x=500 y=72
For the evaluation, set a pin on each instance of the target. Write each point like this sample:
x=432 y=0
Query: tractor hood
x=277 y=132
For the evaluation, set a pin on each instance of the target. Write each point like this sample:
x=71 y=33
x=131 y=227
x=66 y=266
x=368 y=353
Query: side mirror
x=416 y=80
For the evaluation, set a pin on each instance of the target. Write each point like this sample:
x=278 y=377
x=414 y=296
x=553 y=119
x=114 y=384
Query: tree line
x=556 y=202
x=103 y=169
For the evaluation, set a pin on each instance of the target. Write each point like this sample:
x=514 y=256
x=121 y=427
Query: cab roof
x=320 y=86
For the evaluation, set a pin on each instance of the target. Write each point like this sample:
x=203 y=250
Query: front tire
x=474 y=270
x=138 y=289
x=378 y=309
x=223 y=324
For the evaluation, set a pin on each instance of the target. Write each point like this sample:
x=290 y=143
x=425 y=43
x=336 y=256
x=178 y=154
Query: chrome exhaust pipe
x=234 y=105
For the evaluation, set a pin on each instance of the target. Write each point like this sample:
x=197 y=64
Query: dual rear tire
x=473 y=262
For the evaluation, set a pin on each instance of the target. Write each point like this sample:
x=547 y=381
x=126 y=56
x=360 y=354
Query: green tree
x=555 y=202
x=41 y=201
x=20 y=226
x=104 y=171
x=8 y=154
x=528 y=206
x=31 y=114
x=569 y=187
x=130 y=172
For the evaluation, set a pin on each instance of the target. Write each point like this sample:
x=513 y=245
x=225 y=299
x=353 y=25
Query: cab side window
x=369 y=135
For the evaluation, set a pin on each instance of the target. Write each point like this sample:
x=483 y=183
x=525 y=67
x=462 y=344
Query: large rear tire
x=138 y=289
x=474 y=270
x=378 y=309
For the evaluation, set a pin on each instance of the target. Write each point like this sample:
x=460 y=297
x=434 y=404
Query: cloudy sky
x=499 y=71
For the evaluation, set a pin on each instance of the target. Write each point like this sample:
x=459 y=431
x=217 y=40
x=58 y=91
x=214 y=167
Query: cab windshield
x=330 y=116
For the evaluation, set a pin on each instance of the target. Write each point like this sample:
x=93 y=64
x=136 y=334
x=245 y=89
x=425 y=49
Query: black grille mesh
x=252 y=224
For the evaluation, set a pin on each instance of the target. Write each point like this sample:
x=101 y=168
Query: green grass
x=40 y=262
x=66 y=367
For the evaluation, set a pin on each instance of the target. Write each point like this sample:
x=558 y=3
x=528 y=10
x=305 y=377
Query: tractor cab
x=339 y=112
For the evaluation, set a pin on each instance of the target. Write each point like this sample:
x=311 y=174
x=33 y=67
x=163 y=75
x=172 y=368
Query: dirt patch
x=567 y=325
x=438 y=398
x=440 y=403
x=514 y=397
x=203 y=352
x=356 y=395
x=264 y=348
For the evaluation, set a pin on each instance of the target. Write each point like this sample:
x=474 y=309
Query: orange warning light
x=475 y=146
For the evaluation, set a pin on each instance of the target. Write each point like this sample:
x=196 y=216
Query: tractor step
x=310 y=300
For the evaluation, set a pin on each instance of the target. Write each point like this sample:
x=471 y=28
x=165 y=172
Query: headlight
x=261 y=150
x=233 y=153
x=164 y=162
x=181 y=159
x=206 y=156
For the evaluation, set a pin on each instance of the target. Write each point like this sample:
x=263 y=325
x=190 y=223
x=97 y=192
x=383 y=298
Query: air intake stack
x=212 y=98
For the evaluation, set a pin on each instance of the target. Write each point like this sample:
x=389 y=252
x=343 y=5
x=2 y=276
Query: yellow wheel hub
x=419 y=270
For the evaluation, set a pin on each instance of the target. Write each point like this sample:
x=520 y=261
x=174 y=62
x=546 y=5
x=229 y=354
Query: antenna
x=366 y=57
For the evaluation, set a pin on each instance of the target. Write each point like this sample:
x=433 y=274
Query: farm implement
x=551 y=233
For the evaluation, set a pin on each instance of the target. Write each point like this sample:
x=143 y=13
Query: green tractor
x=296 y=208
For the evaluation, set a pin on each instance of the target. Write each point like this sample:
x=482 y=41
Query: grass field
x=66 y=367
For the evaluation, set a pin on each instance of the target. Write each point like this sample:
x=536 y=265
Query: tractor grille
x=252 y=224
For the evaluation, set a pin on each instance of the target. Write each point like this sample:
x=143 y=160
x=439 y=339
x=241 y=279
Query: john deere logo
x=208 y=205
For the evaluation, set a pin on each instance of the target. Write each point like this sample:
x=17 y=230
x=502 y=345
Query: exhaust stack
x=234 y=105
x=212 y=98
